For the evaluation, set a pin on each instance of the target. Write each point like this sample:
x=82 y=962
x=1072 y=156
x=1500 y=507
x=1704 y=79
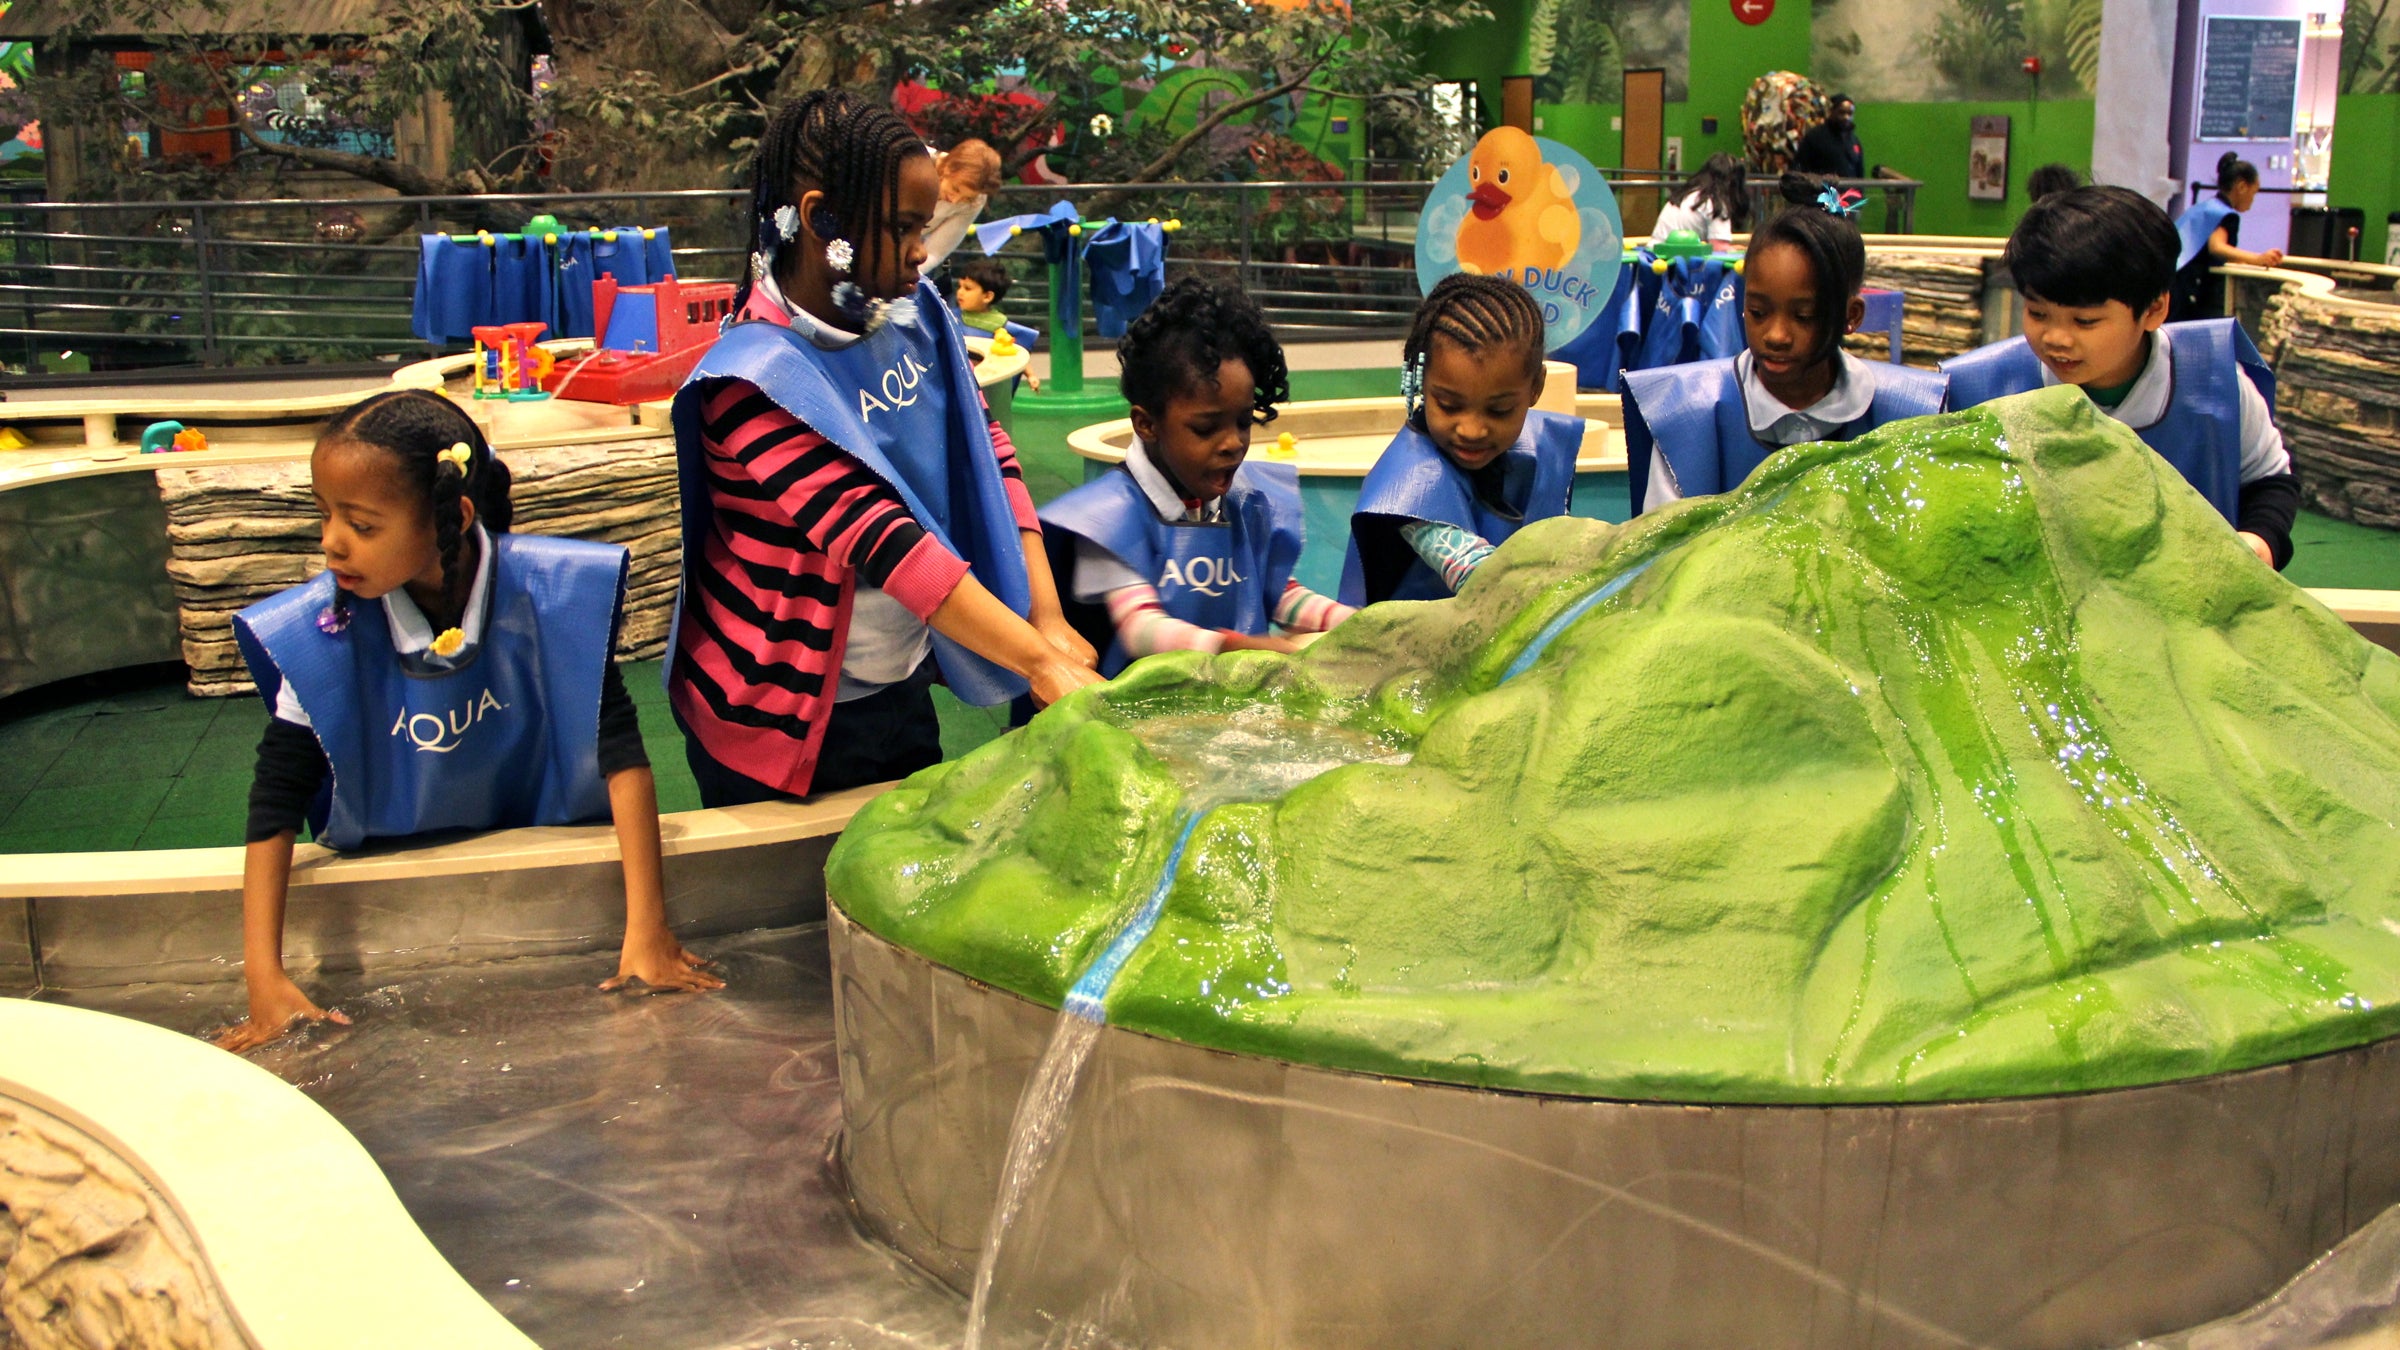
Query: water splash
x=1256 y=754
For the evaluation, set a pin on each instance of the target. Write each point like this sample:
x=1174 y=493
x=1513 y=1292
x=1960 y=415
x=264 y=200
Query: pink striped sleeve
x=1144 y=627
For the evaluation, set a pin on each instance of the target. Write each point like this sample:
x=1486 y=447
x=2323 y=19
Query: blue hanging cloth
x=1696 y=316
x=1128 y=260
x=1600 y=351
x=574 y=285
x=523 y=289
x=626 y=257
x=454 y=289
x=658 y=253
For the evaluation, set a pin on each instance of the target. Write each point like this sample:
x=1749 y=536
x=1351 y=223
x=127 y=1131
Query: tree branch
x=1165 y=160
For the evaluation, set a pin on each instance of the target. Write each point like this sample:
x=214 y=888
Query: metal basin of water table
x=1236 y=1201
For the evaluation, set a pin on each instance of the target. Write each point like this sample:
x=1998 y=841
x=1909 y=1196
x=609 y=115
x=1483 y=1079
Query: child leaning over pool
x=1475 y=461
x=439 y=674
x=2095 y=266
x=1189 y=545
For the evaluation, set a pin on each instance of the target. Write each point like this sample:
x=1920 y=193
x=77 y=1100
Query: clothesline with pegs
x=491 y=240
x=1078 y=227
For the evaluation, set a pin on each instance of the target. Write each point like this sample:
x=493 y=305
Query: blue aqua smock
x=2201 y=433
x=1226 y=574
x=1696 y=417
x=1414 y=480
x=509 y=738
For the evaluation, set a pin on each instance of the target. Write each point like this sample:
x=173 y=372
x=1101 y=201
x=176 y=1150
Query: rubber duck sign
x=1532 y=210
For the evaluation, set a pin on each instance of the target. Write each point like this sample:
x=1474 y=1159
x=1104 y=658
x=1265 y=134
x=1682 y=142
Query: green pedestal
x=1064 y=393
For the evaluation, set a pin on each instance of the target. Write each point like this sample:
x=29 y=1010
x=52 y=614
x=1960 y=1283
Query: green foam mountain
x=1972 y=758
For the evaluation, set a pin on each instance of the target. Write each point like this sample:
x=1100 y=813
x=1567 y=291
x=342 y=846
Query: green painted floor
x=128 y=760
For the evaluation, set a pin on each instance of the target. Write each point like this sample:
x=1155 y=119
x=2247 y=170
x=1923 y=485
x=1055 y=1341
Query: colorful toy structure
x=649 y=339
x=163 y=437
x=509 y=363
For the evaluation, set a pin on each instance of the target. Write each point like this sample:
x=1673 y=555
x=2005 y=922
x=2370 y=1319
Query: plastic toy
x=508 y=362
x=650 y=338
x=163 y=437
x=1287 y=448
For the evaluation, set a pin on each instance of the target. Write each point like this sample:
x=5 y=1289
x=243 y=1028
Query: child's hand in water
x=276 y=1006
x=1054 y=680
x=1062 y=635
x=654 y=957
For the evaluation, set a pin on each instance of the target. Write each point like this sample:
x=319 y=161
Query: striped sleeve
x=1012 y=474
x=1144 y=628
x=1302 y=610
x=768 y=468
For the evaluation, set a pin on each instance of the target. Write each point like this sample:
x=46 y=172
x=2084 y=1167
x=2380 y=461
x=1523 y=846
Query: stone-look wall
x=91 y=1258
x=1942 y=313
x=2337 y=398
x=241 y=533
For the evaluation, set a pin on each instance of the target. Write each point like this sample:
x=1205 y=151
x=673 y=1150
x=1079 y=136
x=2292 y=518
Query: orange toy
x=1523 y=209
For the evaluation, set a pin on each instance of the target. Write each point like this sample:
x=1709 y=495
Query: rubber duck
x=1522 y=211
x=1287 y=447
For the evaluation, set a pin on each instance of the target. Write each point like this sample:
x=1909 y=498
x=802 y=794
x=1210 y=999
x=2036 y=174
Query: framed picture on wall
x=1987 y=159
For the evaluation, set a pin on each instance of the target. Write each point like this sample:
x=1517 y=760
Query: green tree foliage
x=672 y=93
x=2370 y=47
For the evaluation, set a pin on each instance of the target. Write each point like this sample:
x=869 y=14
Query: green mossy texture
x=1973 y=758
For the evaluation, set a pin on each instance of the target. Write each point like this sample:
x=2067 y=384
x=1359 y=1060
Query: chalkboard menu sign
x=2249 y=79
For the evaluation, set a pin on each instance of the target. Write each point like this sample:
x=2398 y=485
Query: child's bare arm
x=276 y=1004
x=651 y=954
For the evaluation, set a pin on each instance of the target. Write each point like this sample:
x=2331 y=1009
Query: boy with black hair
x=979 y=285
x=2094 y=266
x=982 y=283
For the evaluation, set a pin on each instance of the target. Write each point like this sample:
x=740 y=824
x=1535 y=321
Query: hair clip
x=1841 y=201
x=459 y=454
x=762 y=266
x=450 y=643
x=332 y=619
x=787 y=223
x=839 y=255
x=1412 y=386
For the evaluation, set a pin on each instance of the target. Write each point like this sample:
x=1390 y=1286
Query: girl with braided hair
x=1476 y=461
x=1189 y=546
x=1702 y=427
x=854 y=522
x=439 y=674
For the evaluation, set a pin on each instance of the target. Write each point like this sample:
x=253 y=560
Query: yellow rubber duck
x=1523 y=213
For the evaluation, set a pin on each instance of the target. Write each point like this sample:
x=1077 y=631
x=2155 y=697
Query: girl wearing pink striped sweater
x=1187 y=546
x=854 y=524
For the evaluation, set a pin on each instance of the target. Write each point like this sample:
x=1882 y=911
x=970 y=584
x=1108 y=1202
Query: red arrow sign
x=1754 y=12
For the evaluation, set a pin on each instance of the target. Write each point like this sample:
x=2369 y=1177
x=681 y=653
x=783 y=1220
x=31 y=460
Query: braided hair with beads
x=416 y=427
x=1478 y=314
x=847 y=147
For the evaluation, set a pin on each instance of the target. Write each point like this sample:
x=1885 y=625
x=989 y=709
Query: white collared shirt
x=1098 y=571
x=2263 y=453
x=412 y=633
x=1775 y=423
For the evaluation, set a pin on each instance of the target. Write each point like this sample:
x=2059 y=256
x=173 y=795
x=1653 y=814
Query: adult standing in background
x=1831 y=146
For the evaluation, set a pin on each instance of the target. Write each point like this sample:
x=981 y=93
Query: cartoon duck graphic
x=1523 y=210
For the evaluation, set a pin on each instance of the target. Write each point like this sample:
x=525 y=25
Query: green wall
x=1928 y=141
x=2366 y=163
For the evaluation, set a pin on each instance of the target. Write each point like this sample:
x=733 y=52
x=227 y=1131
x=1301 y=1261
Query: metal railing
x=134 y=285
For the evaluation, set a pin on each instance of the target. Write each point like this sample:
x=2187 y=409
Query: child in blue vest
x=2094 y=266
x=1696 y=429
x=1189 y=545
x=855 y=525
x=2209 y=235
x=440 y=674
x=1475 y=461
